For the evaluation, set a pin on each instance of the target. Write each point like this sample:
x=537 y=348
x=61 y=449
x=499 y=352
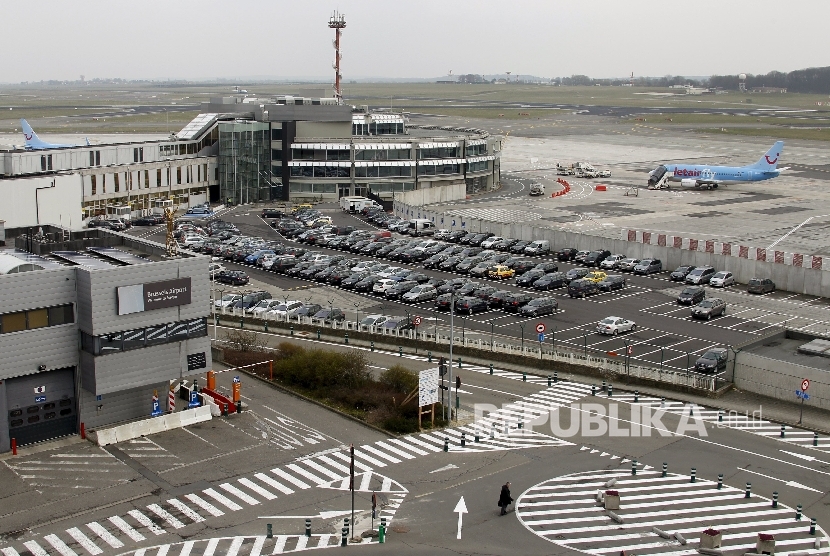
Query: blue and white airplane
x=34 y=143
x=710 y=177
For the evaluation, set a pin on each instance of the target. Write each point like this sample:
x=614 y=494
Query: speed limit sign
x=540 y=328
x=417 y=320
x=805 y=384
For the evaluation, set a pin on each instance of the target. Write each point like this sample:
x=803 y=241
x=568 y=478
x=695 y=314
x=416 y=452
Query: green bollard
x=524 y=376
x=292 y=329
x=593 y=389
x=550 y=380
x=459 y=362
x=812 y=526
x=307 y=527
x=446 y=443
x=344 y=536
x=266 y=326
x=382 y=531
x=775 y=499
x=636 y=396
x=665 y=468
x=429 y=356
x=491 y=368
x=798 y=512
x=241 y=323
x=373 y=346
x=400 y=351
x=347 y=338
x=610 y=391
x=720 y=481
x=693 y=477
x=463 y=439
x=748 y=491
x=815 y=439
x=634 y=467
x=318 y=333
x=269 y=531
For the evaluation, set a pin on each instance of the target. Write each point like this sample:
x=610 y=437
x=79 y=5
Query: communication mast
x=742 y=82
x=337 y=21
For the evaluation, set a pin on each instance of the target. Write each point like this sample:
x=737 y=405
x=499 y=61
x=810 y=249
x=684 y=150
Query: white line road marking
x=276 y=484
x=239 y=494
x=146 y=521
x=185 y=510
x=35 y=548
x=105 y=535
x=258 y=489
x=222 y=499
x=165 y=515
x=126 y=528
x=205 y=505
x=60 y=546
x=290 y=478
x=84 y=541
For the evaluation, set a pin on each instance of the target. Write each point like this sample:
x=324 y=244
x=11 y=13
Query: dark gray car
x=709 y=308
x=712 y=361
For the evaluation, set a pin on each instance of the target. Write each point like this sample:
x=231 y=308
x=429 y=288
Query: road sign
x=236 y=380
x=540 y=328
x=194 y=399
x=417 y=320
x=801 y=394
x=40 y=399
x=541 y=337
x=630 y=350
x=40 y=389
x=805 y=384
x=427 y=387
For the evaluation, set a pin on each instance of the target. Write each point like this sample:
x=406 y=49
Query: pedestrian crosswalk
x=241 y=546
x=658 y=515
x=754 y=424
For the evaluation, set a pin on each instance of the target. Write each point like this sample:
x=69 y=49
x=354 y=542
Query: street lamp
x=356 y=312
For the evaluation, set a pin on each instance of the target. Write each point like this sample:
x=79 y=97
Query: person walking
x=504 y=498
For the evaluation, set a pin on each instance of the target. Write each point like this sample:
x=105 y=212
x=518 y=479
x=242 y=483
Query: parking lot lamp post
x=356 y=313
x=553 y=339
x=688 y=357
x=463 y=325
x=491 y=335
x=452 y=341
x=585 y=343
x=522 y=326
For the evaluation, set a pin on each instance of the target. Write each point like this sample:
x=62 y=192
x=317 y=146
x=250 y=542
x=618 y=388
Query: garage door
x=42 y=406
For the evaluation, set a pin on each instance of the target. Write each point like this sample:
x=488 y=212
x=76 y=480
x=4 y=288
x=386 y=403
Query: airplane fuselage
x=718 y=174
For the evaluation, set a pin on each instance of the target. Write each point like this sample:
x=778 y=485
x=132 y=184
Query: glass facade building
x=245 y=163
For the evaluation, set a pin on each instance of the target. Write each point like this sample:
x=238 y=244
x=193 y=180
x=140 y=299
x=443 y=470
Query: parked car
x=285 y=310
x=615 y=325
x=308 y=310
x=701 y=275
x=547 y=266
x=423 y=292
x=627 y=265
x=582 y=288
x=263 y=307
x=398 y=290
x=691 y=295
x=227 y=300
x=610 y=263
x=596 y=276
x=712 y=361
x=471 y=305
x=579 y=257
x=566 y=254
x=539 y=306
x=576 y=274
x=615 y=282
x=329 y=315
x=398 y=324
x=595 y=258
x=497 y=297
x=722 y=279
x=501 y=272
x=373 y=320
x=232 y=277
x=760 y=285
x=515 y=301
x=529 y=277
x=550 y=281
x=709 y=308
x=519 y=247
x=649 y=266
x=680 y=273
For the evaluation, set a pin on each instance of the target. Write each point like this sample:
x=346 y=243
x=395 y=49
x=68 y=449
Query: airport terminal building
x=242 y=150
x=91 y=325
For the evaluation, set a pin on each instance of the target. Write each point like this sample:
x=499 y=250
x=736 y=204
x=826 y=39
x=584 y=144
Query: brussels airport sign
x=154 y=295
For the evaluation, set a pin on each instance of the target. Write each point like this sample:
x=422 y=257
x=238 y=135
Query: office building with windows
x=91 y=325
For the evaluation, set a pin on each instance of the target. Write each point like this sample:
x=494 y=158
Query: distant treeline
x=810 y=80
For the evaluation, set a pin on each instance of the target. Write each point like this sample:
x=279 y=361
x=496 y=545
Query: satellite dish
x=742 y=77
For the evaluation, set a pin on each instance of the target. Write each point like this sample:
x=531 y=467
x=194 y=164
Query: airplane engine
x=688 y=183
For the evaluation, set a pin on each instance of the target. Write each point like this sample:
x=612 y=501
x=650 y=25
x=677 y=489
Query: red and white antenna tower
x=337 y=21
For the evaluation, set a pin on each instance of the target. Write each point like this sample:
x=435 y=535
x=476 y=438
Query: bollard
x=429 y=356
x=292 y=329
x=493 y=432
x=694 y=475
x=239 y=406
x=400 y=351
x=346 y=337
x=463 y=439
x=556 y=376
x=798 y=513
x=491 y=368
x=783 y=428
x=636 y=396
x=520 y=425
x=662 y=402
x=506 y=428
x=224 y=410
x=812 y=526
x=691 y=410
x=478 y=439
x=720 y=416
x=373 y=346
x=83 y=431
x=318 y=333
x=14 y=446
x=459 y=362
x=748 y=492
x=446 y=443
x=346 y=525
x=634 y=467
x=775 y=499
x=269 y=531
x=242 y=322
x=593 y=389
x=524 y=376
x=549 y=381
x=382 y=531
x=665 y=468
x=720 y=481
x=307 y=527
x=815 y=439
x=610 y=391
x=344 y=536
x=266 y=327
x=603 y=386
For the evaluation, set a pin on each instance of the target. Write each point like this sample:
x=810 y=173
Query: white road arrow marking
x=808 y=458
x=787 y=483
x=445 y=468
x=461 y=509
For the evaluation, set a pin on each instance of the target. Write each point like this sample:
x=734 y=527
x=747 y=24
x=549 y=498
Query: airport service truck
x=537 y=189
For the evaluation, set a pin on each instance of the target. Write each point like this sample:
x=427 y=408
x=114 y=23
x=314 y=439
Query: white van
x=421 y=227
x=538 y=247
x=347 y=203
x=364 y=203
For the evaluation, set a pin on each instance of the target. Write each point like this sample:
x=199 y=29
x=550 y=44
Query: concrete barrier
x=145 y=427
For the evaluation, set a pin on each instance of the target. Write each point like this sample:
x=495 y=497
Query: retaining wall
x=780 y=379
x=136 y=429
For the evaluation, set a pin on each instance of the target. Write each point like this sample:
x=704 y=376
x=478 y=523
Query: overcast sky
x=155 y=39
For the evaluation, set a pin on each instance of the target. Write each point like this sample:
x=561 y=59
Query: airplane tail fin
x=87 y=141
x=32 y=140
x=770 y=160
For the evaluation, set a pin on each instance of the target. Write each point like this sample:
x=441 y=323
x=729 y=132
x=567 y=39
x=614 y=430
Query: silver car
x=424 y=292
x=627 y=265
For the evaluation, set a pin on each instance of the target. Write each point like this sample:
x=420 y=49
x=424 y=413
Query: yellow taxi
x=296 y=208
x=501 y=272
x=596 y=276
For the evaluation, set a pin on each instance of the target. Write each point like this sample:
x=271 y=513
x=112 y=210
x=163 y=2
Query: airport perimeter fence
x=498 y=348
